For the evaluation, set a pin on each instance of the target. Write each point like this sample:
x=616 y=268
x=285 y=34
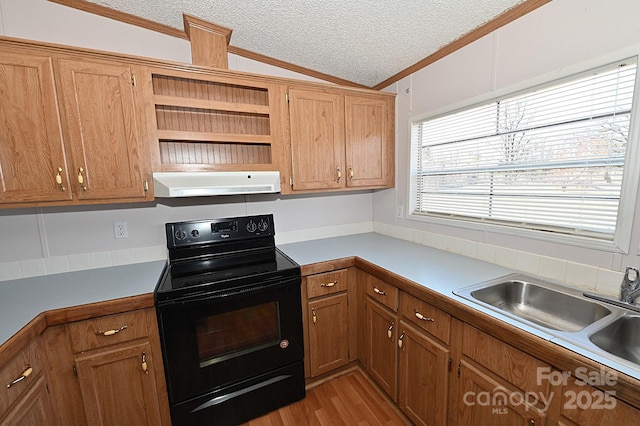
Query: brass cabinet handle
x=59 y=179
x=422 y=317
x=26 y=373
x=329 y=284
x=338 y=174
x=400 y=340
x=376 y=290
x=313 y=314
x=81 y=178
x=532 y=422
x=111 y=332
x=390 y=330
x=144 y=363
x=350 y=173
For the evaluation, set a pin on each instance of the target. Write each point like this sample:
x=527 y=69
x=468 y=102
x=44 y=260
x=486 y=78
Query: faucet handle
x=629 y=282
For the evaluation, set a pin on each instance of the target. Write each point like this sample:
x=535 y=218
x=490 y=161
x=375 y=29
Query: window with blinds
x=551 y=158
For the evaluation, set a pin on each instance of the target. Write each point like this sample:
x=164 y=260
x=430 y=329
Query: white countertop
x=22 y=300
x=437 y=270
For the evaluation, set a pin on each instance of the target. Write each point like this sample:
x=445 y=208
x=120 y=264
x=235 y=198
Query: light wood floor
x=347 y=400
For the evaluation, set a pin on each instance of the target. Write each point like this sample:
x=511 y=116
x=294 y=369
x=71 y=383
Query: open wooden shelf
x=206 y=124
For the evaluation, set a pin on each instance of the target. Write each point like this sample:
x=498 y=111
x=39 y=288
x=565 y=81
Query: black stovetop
x=225 y=254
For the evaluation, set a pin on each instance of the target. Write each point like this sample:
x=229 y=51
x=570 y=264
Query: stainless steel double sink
x=610 y=329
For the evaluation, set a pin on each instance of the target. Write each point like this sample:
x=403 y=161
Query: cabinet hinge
x=133 y=80
x=75 y=371
x=287 y=96
x=291 y=181
x=449 y=364
x=459 y=366
x=145 y=185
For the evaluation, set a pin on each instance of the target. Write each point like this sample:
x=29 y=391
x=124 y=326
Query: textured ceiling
x=363 y=41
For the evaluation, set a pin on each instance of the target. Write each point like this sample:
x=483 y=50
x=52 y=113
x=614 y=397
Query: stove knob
x=195 y=233
x=251 y=226
x=181 y=234
x=263 y=225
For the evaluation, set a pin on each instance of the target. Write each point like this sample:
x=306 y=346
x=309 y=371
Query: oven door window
x=227 y=335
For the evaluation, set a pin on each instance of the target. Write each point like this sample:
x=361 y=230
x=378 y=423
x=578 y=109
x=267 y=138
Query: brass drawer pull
x=111 y=332
x=400 y=340
x=329 y=284
x=81 y=178
x=314 y=316
x=422 y=317
x=26 y=373
x=376 y=290
x=390 y=330
x=144 y=363
x=59 y=180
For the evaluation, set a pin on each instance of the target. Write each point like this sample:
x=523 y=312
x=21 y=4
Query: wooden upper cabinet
x=369 y=141
x=340 y=140
x=103 y=136
x=317 y=139
x=32 y=159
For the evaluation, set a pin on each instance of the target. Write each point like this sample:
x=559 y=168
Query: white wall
x=39 y=241
x=561 y=37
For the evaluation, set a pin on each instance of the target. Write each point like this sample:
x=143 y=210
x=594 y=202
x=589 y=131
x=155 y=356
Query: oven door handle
x=220 y=399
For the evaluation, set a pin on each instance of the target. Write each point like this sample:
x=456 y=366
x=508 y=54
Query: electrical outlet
x=120 y=230
x=399 y=212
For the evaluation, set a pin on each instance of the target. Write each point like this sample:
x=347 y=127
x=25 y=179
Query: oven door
x=214 y=342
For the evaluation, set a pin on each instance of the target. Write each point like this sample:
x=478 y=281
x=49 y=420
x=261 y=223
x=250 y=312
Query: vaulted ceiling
x=366 y=42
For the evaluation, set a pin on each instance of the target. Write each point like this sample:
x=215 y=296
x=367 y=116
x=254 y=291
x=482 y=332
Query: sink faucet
x=630 y=288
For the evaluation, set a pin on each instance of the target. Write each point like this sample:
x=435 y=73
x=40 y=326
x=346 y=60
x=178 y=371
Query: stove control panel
x=182 y=234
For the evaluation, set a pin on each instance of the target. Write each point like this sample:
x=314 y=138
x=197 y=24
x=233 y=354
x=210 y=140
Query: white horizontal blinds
x=551 y=158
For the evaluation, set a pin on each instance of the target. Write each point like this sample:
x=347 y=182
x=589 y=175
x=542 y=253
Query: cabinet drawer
x=326 y=283
x=426 y=316
x=108 y=330
x=383 y=292
x=503 y=360
x=21 y=372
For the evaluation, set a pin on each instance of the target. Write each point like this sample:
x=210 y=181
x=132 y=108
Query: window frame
x=621 y=241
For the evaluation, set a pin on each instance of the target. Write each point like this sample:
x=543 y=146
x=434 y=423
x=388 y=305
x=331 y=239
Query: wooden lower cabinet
x=118 y=387
x=423 y=380
x=410 y=364
x=328 y=333
x=108 y=370
x=487 y=401
x=582 y=404
x=329 y=325
x=497 y=384
x=32 y=409
x=24 y=389
x=381 y=354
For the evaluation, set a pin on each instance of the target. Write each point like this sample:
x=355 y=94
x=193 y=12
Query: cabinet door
x=369 y=141
x=328 y=333
x=485 y=401
x=423 y=377
x=586 y=405
x=317 y=139
x=107 y=152
x=32 y=157
x=32 y=409
x=382 y=355
x=118 y=386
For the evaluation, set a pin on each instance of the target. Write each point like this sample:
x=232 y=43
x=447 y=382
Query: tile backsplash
x=578 y=275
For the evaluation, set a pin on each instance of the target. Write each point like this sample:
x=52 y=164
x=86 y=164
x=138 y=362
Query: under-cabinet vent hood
x=198 y=184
